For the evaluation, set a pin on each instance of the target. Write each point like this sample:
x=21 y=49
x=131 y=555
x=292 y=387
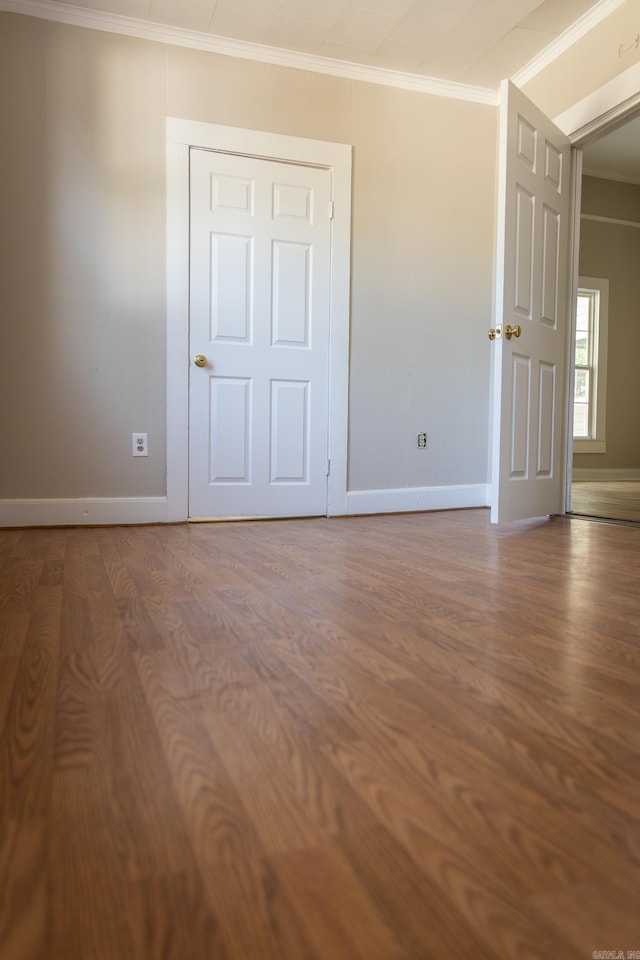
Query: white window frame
x=597 y=442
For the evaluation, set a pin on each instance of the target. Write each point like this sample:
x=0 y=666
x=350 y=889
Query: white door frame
x=181 y=135
x=572 y=293
x=597 y=114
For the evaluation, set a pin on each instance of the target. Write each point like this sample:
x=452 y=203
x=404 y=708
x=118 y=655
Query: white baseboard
x=417 y=498
x=89 y=510
x=606 y=475
x=103 y=511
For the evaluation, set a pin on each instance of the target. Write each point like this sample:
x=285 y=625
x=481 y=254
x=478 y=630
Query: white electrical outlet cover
x=139 y=445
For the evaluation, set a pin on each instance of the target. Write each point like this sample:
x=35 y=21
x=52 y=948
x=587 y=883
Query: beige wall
x=612 y=252
x=82 y=292
x=81 y=253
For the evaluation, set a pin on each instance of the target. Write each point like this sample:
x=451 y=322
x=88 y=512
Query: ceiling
x=473 y=42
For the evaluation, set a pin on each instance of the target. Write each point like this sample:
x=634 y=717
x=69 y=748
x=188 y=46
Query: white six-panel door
x=260 y=235
x=531 y=294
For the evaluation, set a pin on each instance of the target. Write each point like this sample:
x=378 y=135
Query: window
x=586 y=319
x=590 y=382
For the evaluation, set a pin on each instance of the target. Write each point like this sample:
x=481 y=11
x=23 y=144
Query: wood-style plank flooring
x=391 y=737
x=611 y=500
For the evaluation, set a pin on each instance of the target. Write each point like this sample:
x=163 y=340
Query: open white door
x=532 y=311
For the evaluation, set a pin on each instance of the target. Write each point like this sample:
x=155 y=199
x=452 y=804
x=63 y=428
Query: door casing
x=181 y=135
x=599 y=113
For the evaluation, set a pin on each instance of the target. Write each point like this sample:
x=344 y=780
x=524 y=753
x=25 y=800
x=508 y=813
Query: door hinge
x=331 y=210
x=328 y=468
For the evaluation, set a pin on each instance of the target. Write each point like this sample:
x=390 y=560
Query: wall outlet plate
x=139 y=445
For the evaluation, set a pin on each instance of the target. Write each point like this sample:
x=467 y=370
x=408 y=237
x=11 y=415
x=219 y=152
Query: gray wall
x=82 y=283
x=612 y=252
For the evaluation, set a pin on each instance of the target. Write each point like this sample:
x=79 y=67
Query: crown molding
x=571 y=35
x=195 y=40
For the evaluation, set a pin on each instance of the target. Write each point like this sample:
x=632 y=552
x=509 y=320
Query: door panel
x=291 y=287
x=523 y=300
x=520 y=399
x=259 y=312
x=546 y=425
x=289 y=455
x=230 y=288
x=230 y=416
x=531 y=294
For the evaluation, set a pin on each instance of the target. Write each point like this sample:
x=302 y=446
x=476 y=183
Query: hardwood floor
x=612 y=500
x=390 y=737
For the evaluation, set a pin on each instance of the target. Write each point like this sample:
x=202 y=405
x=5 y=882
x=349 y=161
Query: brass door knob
x=510 y=331
x=200 y=360
x=495 y=333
